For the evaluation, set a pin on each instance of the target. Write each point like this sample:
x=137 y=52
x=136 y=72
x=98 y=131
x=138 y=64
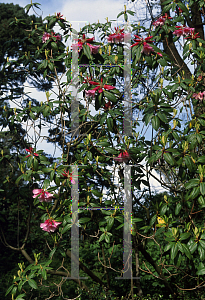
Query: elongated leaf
x=202 y=243
x=110 y=96
x=174 y=250
x=187 y=251
x=202 y=188
x=192 y=183
x=110 y=123
x=155 y=122
x=110 y=223
x=32 y=283
x=201 y=272
x=178 y=208
x=169 y=159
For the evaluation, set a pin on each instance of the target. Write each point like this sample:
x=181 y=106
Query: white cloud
x=92 y=11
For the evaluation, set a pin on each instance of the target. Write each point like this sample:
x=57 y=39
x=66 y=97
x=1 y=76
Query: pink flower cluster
x=30 y=150
x=123 y=156
x=186 y=31
x=84 y=40
x=69 y=176
x=46 y=36
x=118 y=36
x=50 y=225
x=200 y=96
x=147 y=49
x=43 y=195
x=161 y=20
x=99 y=87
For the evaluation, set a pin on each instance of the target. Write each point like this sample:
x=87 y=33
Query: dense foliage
x=38 y=191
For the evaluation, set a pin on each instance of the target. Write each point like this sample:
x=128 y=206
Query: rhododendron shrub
x=84 y=187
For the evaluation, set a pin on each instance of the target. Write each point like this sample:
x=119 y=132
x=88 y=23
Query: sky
x=78 y=12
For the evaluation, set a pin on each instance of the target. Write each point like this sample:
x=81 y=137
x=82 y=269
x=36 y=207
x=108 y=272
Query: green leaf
x=174 y=251
x=135 y=220
x=52 y=252
x=178 y=208
x=187 y=251
x=96 y=193
x=66 y=228
x=32 y=283
x=89 y=155
x=46 y=183
x=175 y=87
x=202 y=243
x=138 y=53
x=163 y=209
x=169 y=159
x=107 y=238
x=194 y=193
x=87 y=52
x=167 y=247
x=193 y=247
x=155 y=123
x=189 y=163
x=110 y=222
x=110 y=96
x=153 y=220
x=44 y=274
x=84 y=220
x=125 y=17
x=201 y=252
x=201 y=159
x=183 y=7
x=9 y=289
x=192 y=183
x=166 y=2
x=102 y=237
x=184 y=236
x=200 y=272
x=110 y=123
x=162 y=117
x=202 y=188
x=102 y=120
x=20 y=297
x=120 y=14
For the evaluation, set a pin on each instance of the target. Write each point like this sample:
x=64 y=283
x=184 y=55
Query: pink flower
x=188 y=31
x=50 y=225
x=69 y=176
x=117 y=37
x=123 y=156
x=159 y=21
x=100 y=86
x=147 y=49
x=90 y=93
x=200 y=96
x=160 y=54
x=43 y=195
x=193 y=36
x=140 y=40
x=30 y=150
x=93 y=49
x=58 y=37
x=59 y=16
x=80 y=43
x=46 y=36
x=178 y=32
